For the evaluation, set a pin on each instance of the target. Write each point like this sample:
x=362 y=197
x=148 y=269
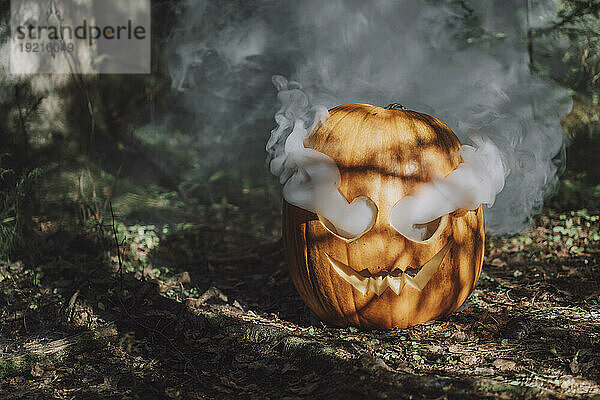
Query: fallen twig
x=212 y=292
x=115 y=234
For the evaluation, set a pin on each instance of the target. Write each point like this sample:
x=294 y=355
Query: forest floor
x=204 y=314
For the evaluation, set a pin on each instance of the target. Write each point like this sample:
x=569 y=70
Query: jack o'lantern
x=382 y=278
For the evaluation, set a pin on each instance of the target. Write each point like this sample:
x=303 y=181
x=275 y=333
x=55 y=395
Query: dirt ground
x=224 y=321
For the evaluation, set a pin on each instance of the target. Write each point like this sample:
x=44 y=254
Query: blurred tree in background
x=569 y=52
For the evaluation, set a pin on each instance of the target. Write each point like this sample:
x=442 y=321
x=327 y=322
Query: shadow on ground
x=225 y=322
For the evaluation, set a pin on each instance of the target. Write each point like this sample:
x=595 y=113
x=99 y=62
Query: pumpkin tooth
x=396 y=283
x=378 y=285
x=361 y=283
x=422 y=278
x=410 y=281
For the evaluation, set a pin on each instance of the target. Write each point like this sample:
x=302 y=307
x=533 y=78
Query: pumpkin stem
x=395 y=106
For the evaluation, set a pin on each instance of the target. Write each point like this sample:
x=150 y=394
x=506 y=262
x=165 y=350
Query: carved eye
x=354 y=224
x=402 y=219
x=426 y=231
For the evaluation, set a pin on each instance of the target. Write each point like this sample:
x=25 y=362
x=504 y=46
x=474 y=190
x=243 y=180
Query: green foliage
x=17 y=199
x=138 y=241
x=569 y=49
x=13 y=367
x=576 y=230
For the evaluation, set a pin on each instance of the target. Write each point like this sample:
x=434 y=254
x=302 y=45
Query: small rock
x=574 y=365
x=460 y=336
x=36 y=370
x=484 y=371
x=567 y=382
x=505 y=365
x=468 y=359
x=497 y=262
x=456 y=349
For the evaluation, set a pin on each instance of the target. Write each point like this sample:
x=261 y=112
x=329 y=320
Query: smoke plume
x=464 y=62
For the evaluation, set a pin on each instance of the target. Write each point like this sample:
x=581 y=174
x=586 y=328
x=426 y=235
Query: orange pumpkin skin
x=385 y=155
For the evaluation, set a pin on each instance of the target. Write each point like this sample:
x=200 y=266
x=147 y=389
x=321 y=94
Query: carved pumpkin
x=382 y=279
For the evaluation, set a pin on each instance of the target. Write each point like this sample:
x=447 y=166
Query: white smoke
x=477 y=180
x=464 y=62
x=311 y=179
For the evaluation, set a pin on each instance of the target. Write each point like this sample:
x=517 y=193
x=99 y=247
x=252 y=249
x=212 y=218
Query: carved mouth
x=364 y=281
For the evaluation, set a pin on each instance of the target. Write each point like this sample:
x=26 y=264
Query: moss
x=17 y=366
